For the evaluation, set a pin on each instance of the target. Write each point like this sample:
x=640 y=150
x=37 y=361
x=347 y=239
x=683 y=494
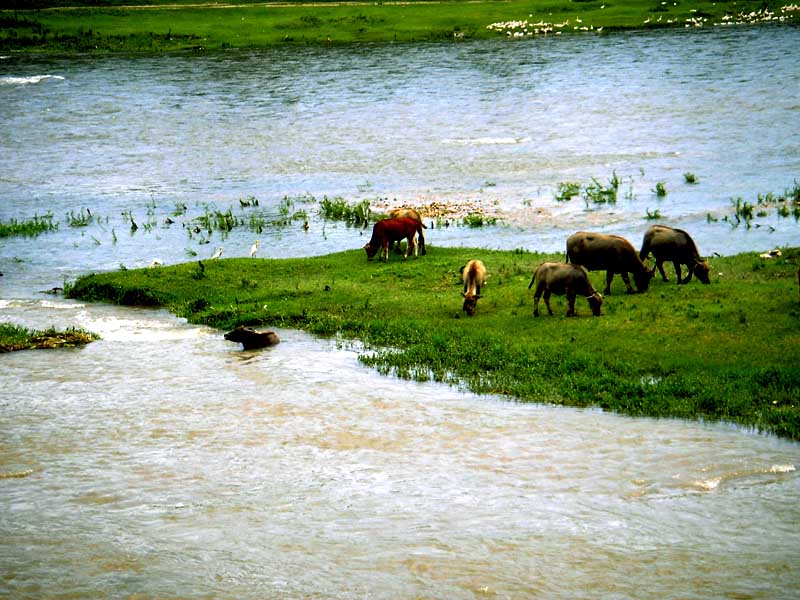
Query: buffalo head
x=470 y=303
x=595 y=302
x=701 y=269
x=642 y=279
x=371 y=249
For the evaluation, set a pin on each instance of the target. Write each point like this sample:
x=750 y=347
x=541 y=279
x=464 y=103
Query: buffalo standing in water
x=676 y=246
x=567 y=280
x=612 y=253
x=252 y=339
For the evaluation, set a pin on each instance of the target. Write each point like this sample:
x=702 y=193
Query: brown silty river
x=164 y=462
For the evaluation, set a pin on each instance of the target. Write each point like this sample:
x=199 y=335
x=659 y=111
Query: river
x=164 y=462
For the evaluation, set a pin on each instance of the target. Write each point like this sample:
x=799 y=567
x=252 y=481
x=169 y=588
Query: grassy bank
x=14 y=338
x=729 y=350
x=165 y=26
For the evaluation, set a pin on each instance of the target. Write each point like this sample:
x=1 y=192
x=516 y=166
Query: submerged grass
x=13 y=337
x=726 y=351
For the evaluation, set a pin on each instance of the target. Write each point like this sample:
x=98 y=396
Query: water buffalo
x=612 y=253
x=676 y=246
x=564 y=279
x=251 y=339
x=410 y=213
x=473 y=274
x=388 y=231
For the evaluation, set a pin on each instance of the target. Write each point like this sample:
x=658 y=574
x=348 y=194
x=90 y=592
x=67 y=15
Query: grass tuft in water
x=14 y=337
x=28 y=228
x=338 y=209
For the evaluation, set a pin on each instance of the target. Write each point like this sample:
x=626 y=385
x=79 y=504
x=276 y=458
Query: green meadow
x=726 y=351
x=158 y=26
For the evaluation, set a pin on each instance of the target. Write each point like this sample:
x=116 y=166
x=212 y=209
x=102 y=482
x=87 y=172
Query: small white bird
x=254 y=249
x=217 y=254
x=156 y=262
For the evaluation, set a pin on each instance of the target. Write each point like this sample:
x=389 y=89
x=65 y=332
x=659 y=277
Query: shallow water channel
x=165 y=462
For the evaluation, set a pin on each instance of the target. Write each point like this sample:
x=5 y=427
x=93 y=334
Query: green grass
x=726 y=351
x=166 y=26
x=13 y=337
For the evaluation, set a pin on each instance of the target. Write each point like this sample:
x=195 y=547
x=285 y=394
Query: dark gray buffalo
x=677 y=247
x=564 y=280
x=612 y=253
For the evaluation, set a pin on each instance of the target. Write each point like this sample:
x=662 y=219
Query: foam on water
x=28 y=80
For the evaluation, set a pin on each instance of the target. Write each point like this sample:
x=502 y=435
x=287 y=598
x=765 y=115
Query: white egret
x=254 y=249
x=217 y=254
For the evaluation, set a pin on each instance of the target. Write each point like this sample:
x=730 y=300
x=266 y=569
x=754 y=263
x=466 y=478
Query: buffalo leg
x=689 y=273
x=609 y=277
x=571 y=304
x=410 y=246
x=660 y=265
x=536 y=298
x=547 y=294
x=627 y=281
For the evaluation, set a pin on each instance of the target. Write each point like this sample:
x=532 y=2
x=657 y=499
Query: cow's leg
x=660 y=265
x=547 y=294
x=385 y=250
x=627 y=281
x=609 y=277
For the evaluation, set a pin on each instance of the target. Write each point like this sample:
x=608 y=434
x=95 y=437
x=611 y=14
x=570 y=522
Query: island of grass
x=166 y=25
x=727 y=351
x=14 y=337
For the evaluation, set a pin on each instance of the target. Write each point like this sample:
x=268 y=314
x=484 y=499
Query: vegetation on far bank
x=13 y=337
x=725 y=351
x=166 y=25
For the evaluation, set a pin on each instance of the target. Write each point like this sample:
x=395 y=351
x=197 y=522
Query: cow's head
x=701 y=269
x=642 y=279
x=371 y=249
x=595 y=302
x=471 y=303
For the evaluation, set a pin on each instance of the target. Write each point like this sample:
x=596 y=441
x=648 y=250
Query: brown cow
x=564 y=279
x=410 y=213
x=473 y=274
x=612 y=253
x=388 y=231
x=676 y=246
